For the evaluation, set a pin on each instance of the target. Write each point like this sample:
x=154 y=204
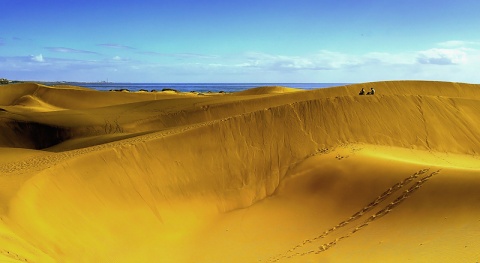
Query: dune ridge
x=103 y=171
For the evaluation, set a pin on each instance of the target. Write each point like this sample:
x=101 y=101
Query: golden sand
x=271 y=174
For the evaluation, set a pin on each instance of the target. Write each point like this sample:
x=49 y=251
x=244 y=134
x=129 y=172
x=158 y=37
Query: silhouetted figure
x=371 y=92
x=362 y=92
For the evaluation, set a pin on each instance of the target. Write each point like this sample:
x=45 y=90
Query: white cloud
x=178 y=55
x=440 y=56
x=38 y=58
x=457 y=43
x=69 y=50
x=324 y=60
x=452 y=43
x=455 y=63
x=384 y=58
x=112 y=45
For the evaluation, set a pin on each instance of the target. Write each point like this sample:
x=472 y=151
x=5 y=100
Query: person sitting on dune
x=362 y=92
x=371 y=92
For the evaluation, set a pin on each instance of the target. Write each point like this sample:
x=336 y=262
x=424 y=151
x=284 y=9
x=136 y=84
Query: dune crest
x=285 y=174
x=268 y=90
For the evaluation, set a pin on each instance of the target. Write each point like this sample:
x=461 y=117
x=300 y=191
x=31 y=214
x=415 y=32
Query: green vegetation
x=169 y=89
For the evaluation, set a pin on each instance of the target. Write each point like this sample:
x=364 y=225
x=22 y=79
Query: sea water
x=199 y=87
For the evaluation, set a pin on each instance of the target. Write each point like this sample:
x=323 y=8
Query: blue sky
x=240 y=41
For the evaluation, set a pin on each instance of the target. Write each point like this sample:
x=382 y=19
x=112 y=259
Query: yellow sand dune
x=268 y=90
x=271 y=174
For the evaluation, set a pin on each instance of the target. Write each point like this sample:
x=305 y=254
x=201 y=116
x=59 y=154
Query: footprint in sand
x=387 y=209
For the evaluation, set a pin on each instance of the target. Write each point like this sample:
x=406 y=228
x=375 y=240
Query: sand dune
x=271 y=174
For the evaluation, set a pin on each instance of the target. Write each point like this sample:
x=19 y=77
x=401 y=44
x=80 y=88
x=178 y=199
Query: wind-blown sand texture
x=270 y=174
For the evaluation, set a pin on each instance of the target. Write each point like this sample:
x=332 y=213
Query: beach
x=268 y=174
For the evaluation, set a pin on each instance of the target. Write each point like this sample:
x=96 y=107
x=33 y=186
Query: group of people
x=371 y=92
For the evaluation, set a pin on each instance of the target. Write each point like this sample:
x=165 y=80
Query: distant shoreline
x=189 y=87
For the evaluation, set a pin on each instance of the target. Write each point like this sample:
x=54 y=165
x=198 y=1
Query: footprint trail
x=387 y=209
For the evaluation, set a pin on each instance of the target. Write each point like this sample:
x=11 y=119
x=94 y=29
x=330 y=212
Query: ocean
x=199 y=87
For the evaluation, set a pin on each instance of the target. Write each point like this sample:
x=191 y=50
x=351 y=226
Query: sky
x=275 y=41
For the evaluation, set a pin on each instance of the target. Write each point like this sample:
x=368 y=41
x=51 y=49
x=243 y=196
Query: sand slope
x=271 y=174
